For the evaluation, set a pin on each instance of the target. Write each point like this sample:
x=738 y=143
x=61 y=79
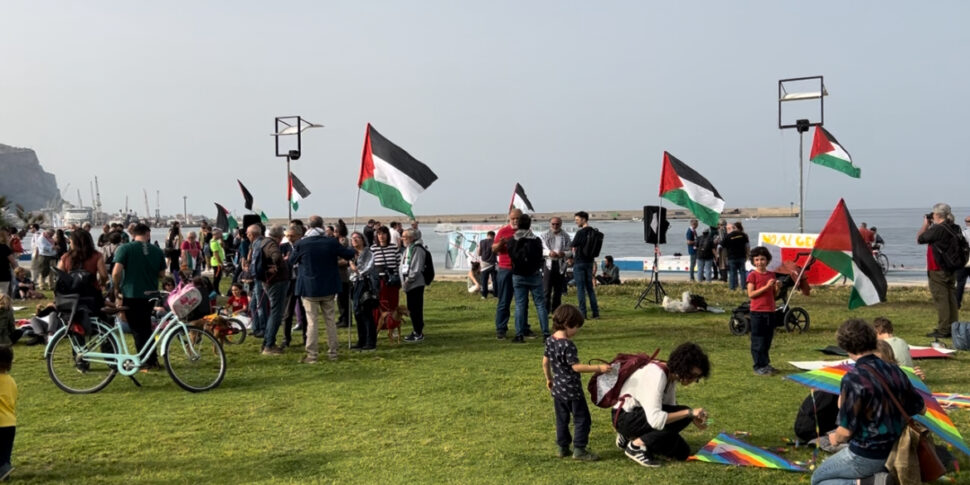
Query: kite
x=955 y=400
x=731 y=451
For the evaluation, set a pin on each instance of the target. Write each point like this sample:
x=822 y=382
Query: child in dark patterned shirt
x=560 y=363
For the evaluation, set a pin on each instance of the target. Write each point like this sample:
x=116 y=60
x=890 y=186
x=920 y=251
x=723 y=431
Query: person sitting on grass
x=26 y=290
x=611 y=273
x=239 y=301
x=560 y=364
x=884 y=332
x=869 y=420
x=762 y=290
x=649 y=420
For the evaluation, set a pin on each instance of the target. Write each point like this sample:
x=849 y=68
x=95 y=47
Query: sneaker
x=414 y=337
x=621 y=441
x=545 y=336
x=308 y=360
x=285 y=344
x=762 y=371
x=500 y=336
x=5 y=471
x=357 y=347
x=257 y=335
x=881 y=478
x=771 y=369
x=582 y=454
x=518 y=339
x=368 y=348
x=564 y=452
x=272 y=350
x=529 y=334
x=640 y=455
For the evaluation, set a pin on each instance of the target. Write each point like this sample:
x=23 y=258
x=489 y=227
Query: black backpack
x=954 y=256
x=526 y=256
x=593 y=245
x=428 y=270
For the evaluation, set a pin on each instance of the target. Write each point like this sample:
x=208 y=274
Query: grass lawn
x=461 y=407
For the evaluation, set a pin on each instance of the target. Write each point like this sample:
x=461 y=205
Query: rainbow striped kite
x=955 y=400
x=829 y=380
x=732 y=451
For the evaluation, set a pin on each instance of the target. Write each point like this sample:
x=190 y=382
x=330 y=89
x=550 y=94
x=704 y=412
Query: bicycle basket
x=184 y=299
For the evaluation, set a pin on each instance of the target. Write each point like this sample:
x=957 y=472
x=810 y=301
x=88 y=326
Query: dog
x=392 y=321
x=216 y=325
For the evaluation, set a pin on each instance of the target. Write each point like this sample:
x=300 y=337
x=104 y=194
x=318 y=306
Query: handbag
x=930 y=466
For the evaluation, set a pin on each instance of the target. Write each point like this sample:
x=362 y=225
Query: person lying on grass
x=649 y=421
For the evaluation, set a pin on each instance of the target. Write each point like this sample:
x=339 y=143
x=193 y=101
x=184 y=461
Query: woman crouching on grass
x=649 y=421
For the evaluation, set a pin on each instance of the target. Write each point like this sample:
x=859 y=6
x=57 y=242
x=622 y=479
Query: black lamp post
x=801 y=125
x=288 y=126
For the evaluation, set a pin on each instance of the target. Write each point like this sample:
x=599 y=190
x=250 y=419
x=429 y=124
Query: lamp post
x=801 y=125
x=288 y=126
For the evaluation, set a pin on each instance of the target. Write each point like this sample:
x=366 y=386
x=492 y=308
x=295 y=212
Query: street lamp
x=802 y=124
x=288 y=126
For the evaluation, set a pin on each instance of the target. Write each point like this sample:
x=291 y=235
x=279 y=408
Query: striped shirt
x=386 y=257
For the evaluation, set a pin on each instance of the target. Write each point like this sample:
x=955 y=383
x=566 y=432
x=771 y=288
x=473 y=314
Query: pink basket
x=184 y=299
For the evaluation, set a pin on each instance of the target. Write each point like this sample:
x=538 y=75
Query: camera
x=929 y=216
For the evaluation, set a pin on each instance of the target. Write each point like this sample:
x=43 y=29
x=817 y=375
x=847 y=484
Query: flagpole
x=356 y=207
x=289 y=191
x=798 y=279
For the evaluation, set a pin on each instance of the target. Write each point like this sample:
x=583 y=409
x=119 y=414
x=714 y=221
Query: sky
x=577 y=101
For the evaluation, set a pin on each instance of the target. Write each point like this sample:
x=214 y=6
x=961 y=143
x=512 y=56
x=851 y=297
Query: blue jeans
x=276 y=294
x=523 y=286
x=693 y=261
x=705 y=270
x=583 y=275
x=503 y=286
x=483 y=282
x=257 y=308
x=737 y=274
x=845 y=468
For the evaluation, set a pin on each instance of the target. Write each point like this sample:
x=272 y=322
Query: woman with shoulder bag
x=387 y=258
x=362 y=276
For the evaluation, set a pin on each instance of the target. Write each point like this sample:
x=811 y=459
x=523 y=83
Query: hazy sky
x=575 y=100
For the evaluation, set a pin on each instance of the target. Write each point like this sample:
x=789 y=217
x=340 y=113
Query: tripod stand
x=655 y=285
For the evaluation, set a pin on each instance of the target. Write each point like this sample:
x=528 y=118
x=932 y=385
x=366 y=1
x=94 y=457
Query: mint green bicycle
x=84 y=364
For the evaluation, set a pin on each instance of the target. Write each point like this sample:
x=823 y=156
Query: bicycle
x=236 y=333
x=881 y=258
x=85 y=364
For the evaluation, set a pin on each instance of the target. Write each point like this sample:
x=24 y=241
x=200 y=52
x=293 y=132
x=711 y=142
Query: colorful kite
x=829 y=380
x=732 y=451
x=955 y=400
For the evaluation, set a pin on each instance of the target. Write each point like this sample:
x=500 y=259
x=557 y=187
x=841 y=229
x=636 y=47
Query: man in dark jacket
x=525 y=250
x=939 y=233
x=275 y=282
x=317 y=283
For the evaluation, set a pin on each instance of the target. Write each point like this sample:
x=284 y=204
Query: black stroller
x=793 y=318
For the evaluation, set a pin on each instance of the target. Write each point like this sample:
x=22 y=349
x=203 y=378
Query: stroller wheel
x=797 y=320
x=738 y=325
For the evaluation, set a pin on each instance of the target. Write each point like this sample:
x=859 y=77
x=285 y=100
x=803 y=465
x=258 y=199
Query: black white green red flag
x=247 y=197
x=841 y=247
x=827 y=151
x=520 y=200
x=685 y=187
x=297 y=191
x=392 y=174
x=225 y=221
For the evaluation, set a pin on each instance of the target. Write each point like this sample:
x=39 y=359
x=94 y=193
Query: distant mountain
x=23 y=180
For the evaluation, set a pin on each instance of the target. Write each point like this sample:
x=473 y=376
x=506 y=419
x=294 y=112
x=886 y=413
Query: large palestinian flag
x=391 y=173
x=683 y=186
x=827 y=152
x=840 y=247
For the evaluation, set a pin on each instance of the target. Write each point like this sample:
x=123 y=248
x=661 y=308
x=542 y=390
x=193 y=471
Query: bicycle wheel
x=883 y=261
x=194 y=359
x=73 y=373
x=237 y=332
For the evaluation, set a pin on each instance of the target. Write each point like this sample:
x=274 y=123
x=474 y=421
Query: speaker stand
x=655 y=285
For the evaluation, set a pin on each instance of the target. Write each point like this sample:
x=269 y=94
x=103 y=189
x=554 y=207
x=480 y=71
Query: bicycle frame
x=164 y=331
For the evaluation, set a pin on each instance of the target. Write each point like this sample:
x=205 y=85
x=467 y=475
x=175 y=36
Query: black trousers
x=293 y=307
x=7 y=434
x=553 y=282
x=666 y=441
x=762 y=333
x=139 y=317
x=343 y=304
x=364 y=313
x=578 y=409
x=415 y=299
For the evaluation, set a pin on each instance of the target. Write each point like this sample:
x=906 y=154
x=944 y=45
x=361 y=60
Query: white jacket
x=649 y=389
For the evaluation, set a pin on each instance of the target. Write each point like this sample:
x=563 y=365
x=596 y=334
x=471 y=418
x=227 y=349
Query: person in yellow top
x=8 y=411
x=218 y=257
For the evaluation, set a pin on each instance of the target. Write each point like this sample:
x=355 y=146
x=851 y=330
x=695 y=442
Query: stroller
x=794 y=319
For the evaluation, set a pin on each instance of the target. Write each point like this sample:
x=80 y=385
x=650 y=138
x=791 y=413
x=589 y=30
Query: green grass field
x=461 y=407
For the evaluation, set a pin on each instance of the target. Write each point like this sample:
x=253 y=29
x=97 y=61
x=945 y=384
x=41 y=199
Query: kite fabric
x=826 y=151
x=296 y=191
x=392 y=174
x=954 y=400
x=841 y=247
x=246 y=195
x=731 y=451
x=829 y=380
x=520 y=200
x=685 y=187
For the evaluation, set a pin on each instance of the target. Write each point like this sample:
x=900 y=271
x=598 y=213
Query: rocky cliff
x=23 y=181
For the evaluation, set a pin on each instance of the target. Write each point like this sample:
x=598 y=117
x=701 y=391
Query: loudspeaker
x=250 y=219
x=655 y=224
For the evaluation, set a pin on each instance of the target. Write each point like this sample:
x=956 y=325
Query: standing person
x=241 y=242
x=292 y=306
x=270 y=269
x=417 y=232
x=705 y=255
x=318 y=283
x=868 y=236
x=192 y=254
x=217 y=257
x=47 y=253
x=60 y=246
x=762 y=290
x=387 y=260
x=736 y=246
x=555 y=246
x=35 y=258
x=525 y=250
x=206 y=240
x=369 y=231
x=487 y=259
x=8 y=262
x=364 y=277
x=584 y=265
x=138 y=266
x=869 y=419
x=412 y=281
x=173 y=248
x=561 y=366
x=503 y=279
x=8 y=411
x=258 y=302
x=962 y=273
x=692 y=245
x=395 y=234
x=343 y=298
x=108 y=250
x=649 y=421
x=939 y=233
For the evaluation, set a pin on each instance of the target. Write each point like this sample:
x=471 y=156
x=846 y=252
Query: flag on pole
x=225 y=221
x=840 y=247
x=297 y=191
x=246 y=195
x=520 y=201
x=391 y=173
x=827 y=151
x=683 y=186
x=263 y=217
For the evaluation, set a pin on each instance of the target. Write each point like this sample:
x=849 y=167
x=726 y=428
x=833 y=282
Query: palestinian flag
x=827 y=152
x=683 y=186
x=246 y=195
x=391 y=173
x=225 y=221
x=520 y=201
x=840 y=247
x=297 y=191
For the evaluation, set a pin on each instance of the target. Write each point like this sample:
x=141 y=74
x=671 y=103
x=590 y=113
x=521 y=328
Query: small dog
x=392 y=321
x=216 y=325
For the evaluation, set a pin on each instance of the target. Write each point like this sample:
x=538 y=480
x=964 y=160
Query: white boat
x=76 y=215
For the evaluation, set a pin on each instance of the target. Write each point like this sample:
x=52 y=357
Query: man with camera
x=942 y=238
